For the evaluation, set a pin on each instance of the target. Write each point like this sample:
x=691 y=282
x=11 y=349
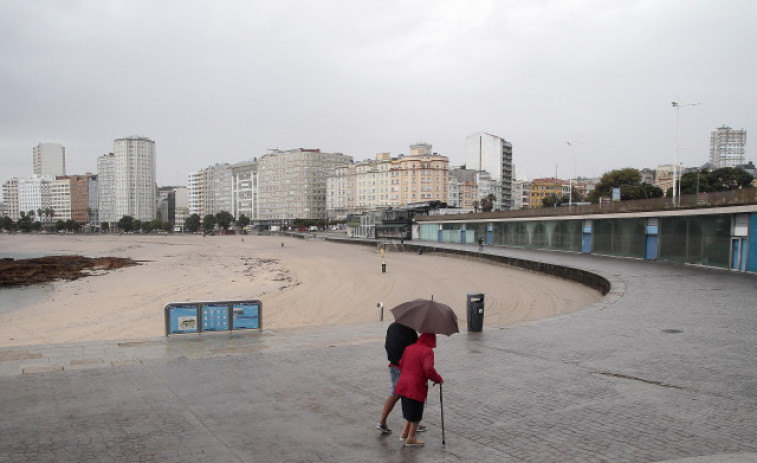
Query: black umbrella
x=427 y=316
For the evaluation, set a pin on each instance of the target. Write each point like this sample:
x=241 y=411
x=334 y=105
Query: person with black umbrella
x=417 y=366
x=398 y=337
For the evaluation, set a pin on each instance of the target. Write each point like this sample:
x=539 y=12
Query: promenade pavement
x=663 y=368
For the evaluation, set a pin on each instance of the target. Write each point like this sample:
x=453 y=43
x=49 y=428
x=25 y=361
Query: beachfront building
x=292 y=184
x=492 y=154
x=244 y=189
x=106 y=191
x=341 y=192
x=421 y=177
x=727 y=147
x=521 y=194
x=544 y=187
x=127 y=180
x=34 y=194
x=49 y=160
x=209 y=190
x=10 y=198
x=463 y=189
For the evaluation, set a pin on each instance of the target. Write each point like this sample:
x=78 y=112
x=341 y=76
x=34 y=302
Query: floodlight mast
x=677 y=105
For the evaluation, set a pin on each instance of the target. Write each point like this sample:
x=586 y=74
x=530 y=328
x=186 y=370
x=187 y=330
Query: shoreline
x=303 y=283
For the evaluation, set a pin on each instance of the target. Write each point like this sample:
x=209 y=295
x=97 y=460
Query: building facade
x=49 y=159
x=493 y=154
x=419 y=178
x=106 y=190
x=10 y=198
x=543 y=187
x=727 y=147
x=244 y=189
x=292 y=184
x=210 y=190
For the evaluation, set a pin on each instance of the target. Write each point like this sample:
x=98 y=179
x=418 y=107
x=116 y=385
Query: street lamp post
x=570 y=182
x=677 y=105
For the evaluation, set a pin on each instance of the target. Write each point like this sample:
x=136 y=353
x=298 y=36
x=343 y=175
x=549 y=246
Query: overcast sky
x=222 y=81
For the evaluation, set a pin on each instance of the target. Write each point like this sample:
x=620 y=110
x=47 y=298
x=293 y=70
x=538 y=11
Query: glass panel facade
x=620 y=237
x=429 y=232
x=698 y=239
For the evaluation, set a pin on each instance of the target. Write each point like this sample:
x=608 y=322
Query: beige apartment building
x=419 y=178
x=292 y=184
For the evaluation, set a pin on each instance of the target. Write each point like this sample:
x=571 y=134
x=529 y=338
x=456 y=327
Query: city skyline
x=375 y=77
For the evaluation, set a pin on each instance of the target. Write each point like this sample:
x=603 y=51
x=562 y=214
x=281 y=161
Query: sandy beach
x=300 y=282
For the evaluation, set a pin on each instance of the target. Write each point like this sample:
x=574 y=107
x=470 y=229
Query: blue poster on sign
x=246 y=315
x=183 y=319
x=215 y=317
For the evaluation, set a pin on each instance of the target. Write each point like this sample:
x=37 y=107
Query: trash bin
x=475 y=309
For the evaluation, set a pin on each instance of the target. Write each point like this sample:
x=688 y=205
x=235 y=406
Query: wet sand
x=302 y=283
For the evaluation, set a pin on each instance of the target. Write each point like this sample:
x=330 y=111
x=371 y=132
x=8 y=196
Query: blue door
x=651 y=247
x=735 y=253
x=489 y=236
x=586 y=243
x=462 y=236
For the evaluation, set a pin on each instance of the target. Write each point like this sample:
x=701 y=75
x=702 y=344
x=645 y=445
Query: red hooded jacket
x=417 y=366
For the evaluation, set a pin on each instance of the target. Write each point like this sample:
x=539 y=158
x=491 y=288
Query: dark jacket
x=397 y=338
x=417 y=367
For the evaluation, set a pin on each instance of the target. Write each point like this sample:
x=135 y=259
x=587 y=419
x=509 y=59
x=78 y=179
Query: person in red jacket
x=417 y=366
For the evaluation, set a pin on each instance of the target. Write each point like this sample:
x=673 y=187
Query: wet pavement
x=662 y=368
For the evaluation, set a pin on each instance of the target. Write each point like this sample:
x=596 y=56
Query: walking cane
x=441 y=404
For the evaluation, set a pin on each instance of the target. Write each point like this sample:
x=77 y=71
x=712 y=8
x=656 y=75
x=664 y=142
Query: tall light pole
x=570 y=182
x=677 y=105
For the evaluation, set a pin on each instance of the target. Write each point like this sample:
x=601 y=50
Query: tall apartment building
x=493 y=154
x=10 y=197
x=60 y=200
x=80 y=202
x=210 y=190
x=419 y=178
x=292 y=184
x=727 y=147
x=244 y=189
x=34 y=194
x=127 y=180
x=49 y=159
x=340 y=193
x=106 y=190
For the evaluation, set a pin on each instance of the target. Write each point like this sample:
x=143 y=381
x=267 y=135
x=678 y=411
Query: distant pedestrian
x=480 y=243
x=397 y=338
x=417 y=366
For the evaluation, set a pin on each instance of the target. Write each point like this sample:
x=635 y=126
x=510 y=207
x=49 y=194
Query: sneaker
x=383 y=428
x=421 y=428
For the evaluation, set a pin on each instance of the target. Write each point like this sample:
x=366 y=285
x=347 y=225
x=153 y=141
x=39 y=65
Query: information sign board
x=246 y=315
x=183 y=319
x=215 y=316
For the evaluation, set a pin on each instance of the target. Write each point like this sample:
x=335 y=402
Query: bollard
x=381 y=306
x=383 y=267
x=282 y=245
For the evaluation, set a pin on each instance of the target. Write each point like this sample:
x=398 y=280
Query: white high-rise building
x=292 y=184
x=34 y=194
x=127 y=180
x=244 y=189
x=727 y=147
x=209 y=190
x=106 y=191
x=49 y=159
x=10 y=197
x=493 y=154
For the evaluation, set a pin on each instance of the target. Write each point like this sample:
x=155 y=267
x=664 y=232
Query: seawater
x=19 y=297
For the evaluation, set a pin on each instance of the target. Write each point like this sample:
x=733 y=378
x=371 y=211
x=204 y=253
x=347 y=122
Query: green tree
x=155 y=225
x=6 y=223
x=729 y=178
x=487 y=203
x=126 y=223
x=616 y=179
x=104 y=226
x=208 y=222
x=192 y=223
x=167 y=227
x=224 y=219
x=136 y=225
x=243 y=220
x=72 y=225
x=476 y=205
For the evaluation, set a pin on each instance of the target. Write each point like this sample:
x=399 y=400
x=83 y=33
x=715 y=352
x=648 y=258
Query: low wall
x=586 y=278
